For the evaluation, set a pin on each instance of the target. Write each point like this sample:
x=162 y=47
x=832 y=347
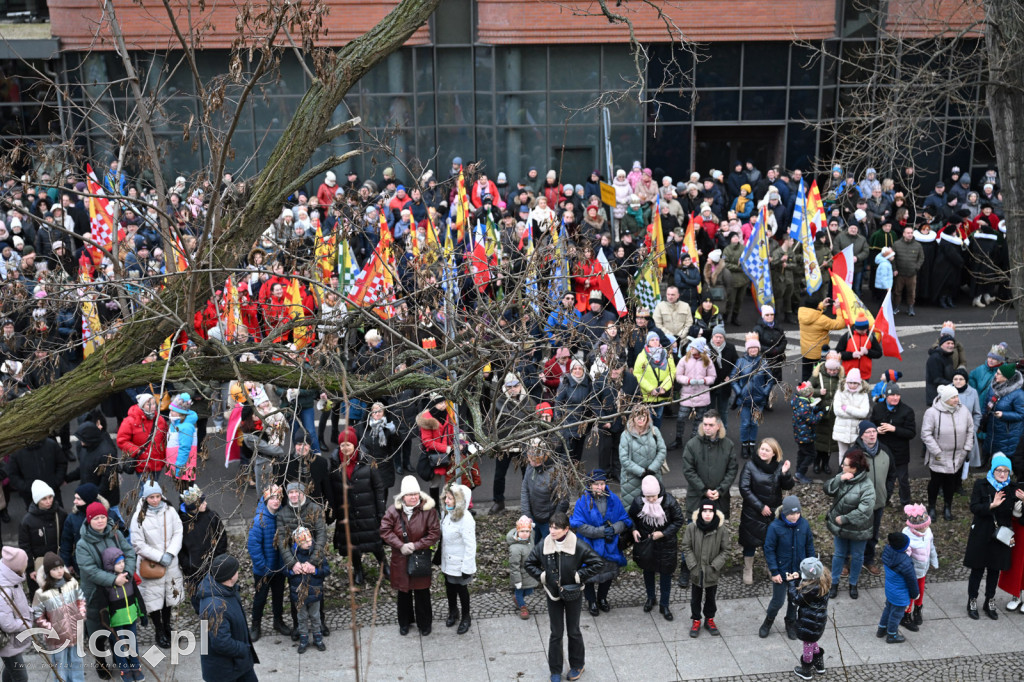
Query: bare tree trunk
x=1004 y=38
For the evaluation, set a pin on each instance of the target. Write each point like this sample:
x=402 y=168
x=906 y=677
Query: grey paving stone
x=650 y=660
x=702 y=657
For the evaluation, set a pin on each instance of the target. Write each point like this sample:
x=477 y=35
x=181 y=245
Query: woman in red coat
x=133 y=436
x=410 y=524
x=437 y=435
x=585 y=278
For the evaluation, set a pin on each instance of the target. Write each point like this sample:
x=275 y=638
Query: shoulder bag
x=154 y=570
x=418 y=564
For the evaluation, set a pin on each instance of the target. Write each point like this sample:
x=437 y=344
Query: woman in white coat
x=458 y=553
x=156 y=534
x=851 y=404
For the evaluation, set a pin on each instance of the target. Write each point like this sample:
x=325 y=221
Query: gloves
x=609 y=532
x=291 y=394
x=407 y=549
x=166 y=559
x=697 y=382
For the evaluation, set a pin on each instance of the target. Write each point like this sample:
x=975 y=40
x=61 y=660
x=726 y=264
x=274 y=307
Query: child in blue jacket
x=806 y=415
x=306 y=589
x=787 y=543
x=900 y=587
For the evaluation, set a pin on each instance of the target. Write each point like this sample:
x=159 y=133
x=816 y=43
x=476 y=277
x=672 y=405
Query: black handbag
x=643 y=553
x=570 y=593
x=418 y=564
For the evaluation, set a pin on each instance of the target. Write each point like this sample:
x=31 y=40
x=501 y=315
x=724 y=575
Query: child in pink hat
x=922 y=553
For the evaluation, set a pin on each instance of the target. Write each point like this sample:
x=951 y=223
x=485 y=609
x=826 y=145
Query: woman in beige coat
x=947 y=431
x=156 y=535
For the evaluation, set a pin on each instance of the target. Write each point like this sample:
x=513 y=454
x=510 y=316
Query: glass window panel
x=424 y=69
x=485 y=109
x=718 y=106
x=575 y=67
x=858 y=62
x=627 y=111
x=485 y=150
x=521 y=68
x=386 y=111
x=454 y=142
x=455 y=109
x=984 y=148
x=572 y=107
x=800 y=146
x=176 y=114
x=394 y=74
x=484 y=71
x=671 y=107
x=522 y=109
x=722 y=69
x=802 y=104
x=764 y=105
x=765 y=63
x=804 y=65
x=619 y=68
x=454 y=69
x=518 y=149
x=424 y=110
x=860 y=18
x=425 y=145
x=178 y=158
x=273 y=113
x=242 y=152
x=669 y=148
x=627 y=145
x=828 y=103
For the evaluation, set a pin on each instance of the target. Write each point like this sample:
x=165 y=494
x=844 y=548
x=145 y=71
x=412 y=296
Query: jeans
x=307 y=420
x=707 y=595
x=869 y=548
x=843 y=548
x=592 y=594
x=565 y=619
x=780 y=595
x=127 y=663
x=14 y=669
x=720 y=398
x=892 y=614
x=858 y=280
x=263 y=472
x=659 y=412
x=748 y=427
x=684 y=416
x=272 y=584
x=69 y=665
x=664 y=586
x=521 y=594
x=542 y=530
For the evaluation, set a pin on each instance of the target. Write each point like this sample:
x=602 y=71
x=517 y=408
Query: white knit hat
x=410 y=486
x=40 y=489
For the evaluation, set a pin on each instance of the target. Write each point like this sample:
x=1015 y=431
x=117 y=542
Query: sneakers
x=910 y=312
x=1013 y=604
x=318 y=641
x=709 y=625
x=524 y=612
x=895 y=639
x=695 y=629
x=574 y=674
x=303 y=643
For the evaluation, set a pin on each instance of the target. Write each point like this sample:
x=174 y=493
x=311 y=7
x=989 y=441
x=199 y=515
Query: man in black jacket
x=897 y=426
x=314 y=471
x=44 y=461
x=39 y=531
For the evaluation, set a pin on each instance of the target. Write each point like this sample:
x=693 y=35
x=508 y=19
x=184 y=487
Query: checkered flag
x=754 y=261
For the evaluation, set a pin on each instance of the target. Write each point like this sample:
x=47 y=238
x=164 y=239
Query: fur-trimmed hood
x=425 y=421
x=426 y=502
x=718 y=513
x=463 y=495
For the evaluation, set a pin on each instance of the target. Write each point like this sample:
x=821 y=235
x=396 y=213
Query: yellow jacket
x=814 y=328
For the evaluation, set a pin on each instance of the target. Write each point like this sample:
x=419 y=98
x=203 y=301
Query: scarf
x=946 y=407
x=741 y=204
x=408 y=510
x=350 y=463
x=652 y=512
x=717 y=355
x=657 y=358
x=707 y=526
x=377 y=431
x=996 y=484
x=870 y=452
x=157 y=508
x=788 y=523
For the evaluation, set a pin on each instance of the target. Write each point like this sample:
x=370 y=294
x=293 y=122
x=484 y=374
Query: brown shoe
x=845 y=572
x=524 y=613
x=873 y=569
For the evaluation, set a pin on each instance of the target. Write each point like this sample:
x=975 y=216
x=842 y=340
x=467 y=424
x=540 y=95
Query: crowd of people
x=140 y=539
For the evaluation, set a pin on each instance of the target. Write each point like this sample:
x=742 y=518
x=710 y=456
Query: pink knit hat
x=917 y=516
x=650 y=485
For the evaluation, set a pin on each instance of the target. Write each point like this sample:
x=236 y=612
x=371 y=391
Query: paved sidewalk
x=628 y=644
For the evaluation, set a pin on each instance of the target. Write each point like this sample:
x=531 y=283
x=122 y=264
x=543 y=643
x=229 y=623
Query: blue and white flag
x=754 y=260
x=799 y=211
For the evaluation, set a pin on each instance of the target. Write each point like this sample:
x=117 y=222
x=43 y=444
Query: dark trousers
x=270 y=584
x=807 y=367
x=608 y=453
x=700 y=594
x=592 y=594
x=664 y=586
x=869 y=549
x=720 y=398
x=903 y=479
x=565 y=619
x=575 y=447
x=14 y=669
x=805 y=454
x=457 y=595
x=420 y=614
x=780 y=596
x=501 y=465
x=948 y=484
x=974 y=582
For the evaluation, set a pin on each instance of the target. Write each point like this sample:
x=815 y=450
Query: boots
x=303 y=643
x=908 y=622
x=818 y=661
x=947 y=513
x=932 y=514
x=748 y=570
x=453 y=617
x=281 y=628
x=766 y=628
x=676 y=444
x=684 y=577
x=989 y=608
x=324 y=630
x=805 y=671
x=464 y=624
x=318 y=641
x=791 y=630
x=977 y=303
x=357 y=573
x=918 y=619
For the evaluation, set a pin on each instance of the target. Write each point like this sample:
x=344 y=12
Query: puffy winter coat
x=639 y=454
x=574 y=563
x=15 y=613
x=848 y=344
x=94 y=578
x=181 y=436
x=229 y=653
x=706 y=552
x=650 y=378
x=752 y=381
x=785 y=545
x=366 y=501
x=761 y=485
x=536 y=496
x=850 y=409
x=307 y=588
x=159 y=533
x=695 y=376
x=900 y=579
x=309 y=515
x=948 y=437
x=938 y=371
x=812 y=611
x=458 y=535
x=922 y=550
x=518 y=552
x=39 y=531
x=814 y=328
x=805 y=417
x=709 y=464
x=44 y=461
x=854 y=500
x=60 y=608
x=424 y=530
x=380 y=456
x=588 y=521
x=1004 y=432
x=773 y=341
x=266 y=558
x=133 y=437
x=820 y=378
x=881 y=472
x=666 y=549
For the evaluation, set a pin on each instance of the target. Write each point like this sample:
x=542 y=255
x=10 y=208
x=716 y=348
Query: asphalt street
x=977 y=329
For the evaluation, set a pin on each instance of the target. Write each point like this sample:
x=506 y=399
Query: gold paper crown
x=753 y=336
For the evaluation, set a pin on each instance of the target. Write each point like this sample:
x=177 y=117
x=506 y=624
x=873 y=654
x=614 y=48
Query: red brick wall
x=927 y=18
x=146 y=26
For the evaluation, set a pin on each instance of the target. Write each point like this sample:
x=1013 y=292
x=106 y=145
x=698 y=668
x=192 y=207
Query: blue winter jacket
x=1004 y=433
x=186 y=430
x=229 y=654
x=588 y=524
x=785 y=546
x=265 y=557
x=883 y=272
x=753 y=381
x=900 y=579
